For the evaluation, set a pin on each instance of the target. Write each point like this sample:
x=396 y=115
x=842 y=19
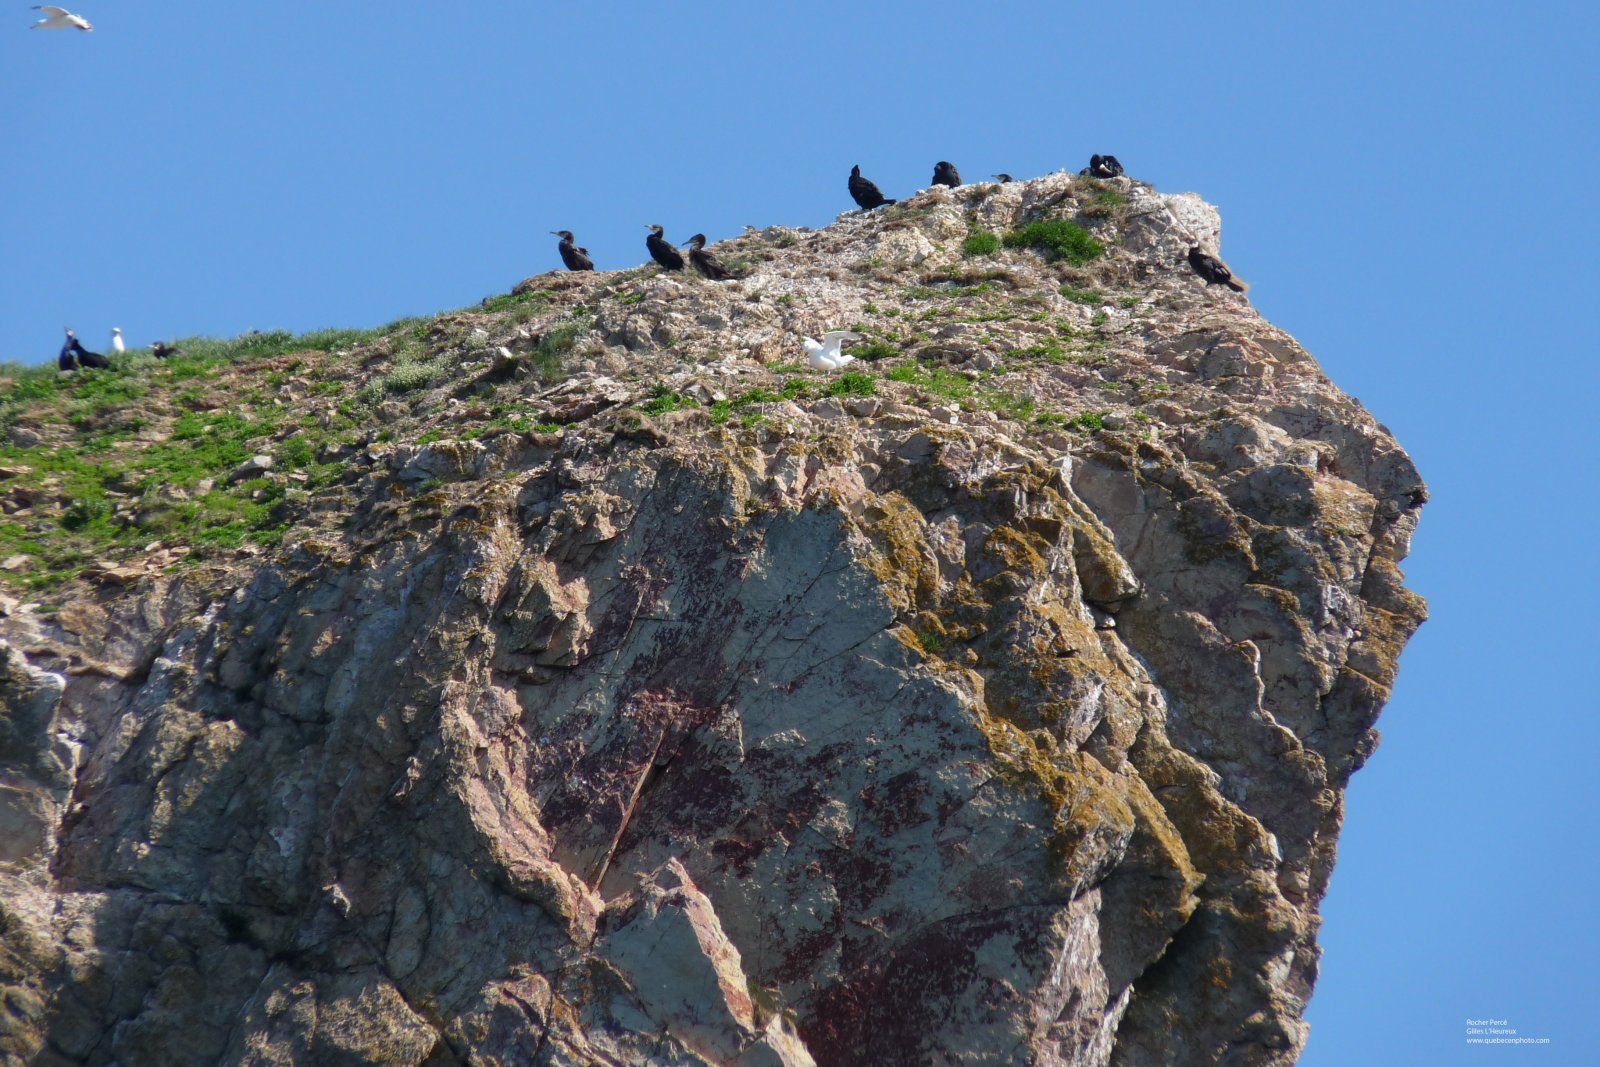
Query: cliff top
x=235 y=447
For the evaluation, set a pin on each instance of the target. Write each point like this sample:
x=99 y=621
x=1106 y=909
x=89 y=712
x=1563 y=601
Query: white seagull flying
x=826 y=355
x=59 y=18
x=116 y=341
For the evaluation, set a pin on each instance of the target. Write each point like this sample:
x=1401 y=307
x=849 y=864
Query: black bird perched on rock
x=1103 y=167
x=864 y=192
x=1213 y=270
x=704 y=262
x=162 y=350
x=1001 y=178
x=945 y=173
x=574 y=257
x=661 y=251
x=85 y=358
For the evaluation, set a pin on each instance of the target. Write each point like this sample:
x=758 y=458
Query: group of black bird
x=661 y=250
x=868 y=196
x=75 y=357
x=865 y=193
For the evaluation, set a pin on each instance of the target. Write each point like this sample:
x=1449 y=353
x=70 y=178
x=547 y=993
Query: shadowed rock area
x=991 y=706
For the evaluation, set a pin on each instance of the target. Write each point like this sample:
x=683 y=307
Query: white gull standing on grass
x=825 y=355
x=59 y=18
x=116 y=341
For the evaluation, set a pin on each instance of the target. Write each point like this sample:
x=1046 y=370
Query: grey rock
x=254 y=467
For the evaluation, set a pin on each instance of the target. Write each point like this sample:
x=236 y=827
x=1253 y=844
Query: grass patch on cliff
x=980 y=243
x=937 y=381
x=665 y=400
x=873 y=351
x=100 y=464
x=855 y=383
x=747 y=404
x=532 y=299
x=551 y=355
x=1058 y=239
x=1087 y=297
x=1048 y=352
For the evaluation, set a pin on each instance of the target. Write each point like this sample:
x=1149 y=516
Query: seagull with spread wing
x=59 y=18
x=825 y=355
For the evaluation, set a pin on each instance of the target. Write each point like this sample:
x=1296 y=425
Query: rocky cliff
x=614 y=689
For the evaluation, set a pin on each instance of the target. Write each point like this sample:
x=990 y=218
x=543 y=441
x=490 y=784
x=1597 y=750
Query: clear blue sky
x=1408 y=186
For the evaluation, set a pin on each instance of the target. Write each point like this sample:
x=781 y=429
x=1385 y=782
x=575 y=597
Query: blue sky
x=1407 y=186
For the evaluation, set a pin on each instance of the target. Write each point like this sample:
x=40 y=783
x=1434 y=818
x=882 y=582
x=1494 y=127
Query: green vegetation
x=930 y=292
x=1087 y=297
x=744 y=404
x=409 y=377
x=150 y=445
x=938 y=381
x=980 y=243
x=1050 y=353
x=550 y=356
x=664 y=400
x=873 y=351
x=1059 y=238
x=122 y=499
x=854 y=383
x=535 y=299
x=1018 y=406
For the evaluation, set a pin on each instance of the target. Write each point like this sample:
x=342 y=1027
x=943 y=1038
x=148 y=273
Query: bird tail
x=1237 y=286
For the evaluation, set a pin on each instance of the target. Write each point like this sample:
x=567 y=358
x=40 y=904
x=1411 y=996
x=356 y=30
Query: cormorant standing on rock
x=1001 y=178
x=87 y=358
x=1103 y=167
x=661 y=251
x=1213 y=270
x=864 y=192
x=574 y=257
x=704 y=262
x=945 y=173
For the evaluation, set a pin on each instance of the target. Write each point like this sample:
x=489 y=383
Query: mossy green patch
x=1059 y=239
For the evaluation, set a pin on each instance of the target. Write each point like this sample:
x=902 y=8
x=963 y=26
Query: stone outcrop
x=897 y=726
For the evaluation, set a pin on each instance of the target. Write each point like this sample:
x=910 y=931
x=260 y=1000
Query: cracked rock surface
x=998 y=712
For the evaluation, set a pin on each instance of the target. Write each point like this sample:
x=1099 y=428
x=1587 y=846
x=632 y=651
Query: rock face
x=903 y=728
